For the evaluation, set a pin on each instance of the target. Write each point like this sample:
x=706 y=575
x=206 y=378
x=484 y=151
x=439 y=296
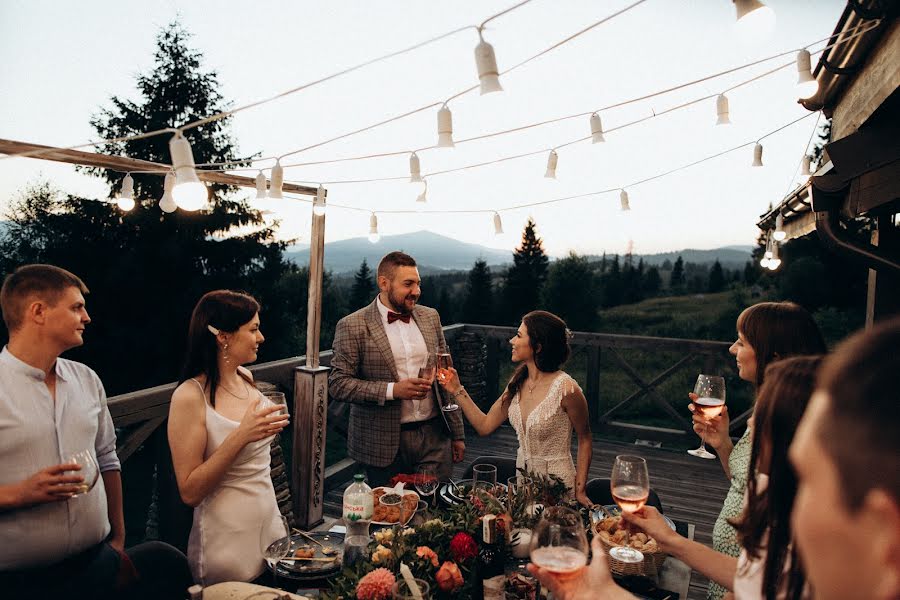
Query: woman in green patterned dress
x=767 y=332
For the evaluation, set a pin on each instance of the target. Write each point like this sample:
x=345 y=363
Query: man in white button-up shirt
x=55 y=536
x=396 y=423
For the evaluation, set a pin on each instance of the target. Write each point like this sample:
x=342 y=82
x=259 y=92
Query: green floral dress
x=724 y=535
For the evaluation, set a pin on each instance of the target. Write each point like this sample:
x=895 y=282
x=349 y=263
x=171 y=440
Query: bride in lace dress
x=543 y=404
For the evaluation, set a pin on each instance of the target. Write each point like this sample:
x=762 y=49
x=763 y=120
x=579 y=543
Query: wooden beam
x=314 y=296
x=124 y=164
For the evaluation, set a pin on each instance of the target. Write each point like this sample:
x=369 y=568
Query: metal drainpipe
x=826 y=205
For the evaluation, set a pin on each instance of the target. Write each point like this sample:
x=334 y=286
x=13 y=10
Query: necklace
x=244 y=397
x=531 y=387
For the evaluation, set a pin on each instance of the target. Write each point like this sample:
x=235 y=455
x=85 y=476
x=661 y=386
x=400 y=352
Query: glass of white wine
x=710 y=401
x=630 y=487
x=558 y=542
x=90 y=471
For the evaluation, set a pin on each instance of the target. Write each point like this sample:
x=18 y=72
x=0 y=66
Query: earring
x=225 y=353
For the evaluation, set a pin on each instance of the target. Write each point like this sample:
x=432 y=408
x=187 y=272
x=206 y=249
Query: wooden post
x=311 y=398
x=592 y=392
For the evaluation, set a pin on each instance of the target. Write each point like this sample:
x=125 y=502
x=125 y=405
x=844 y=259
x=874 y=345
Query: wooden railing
x=151 y=494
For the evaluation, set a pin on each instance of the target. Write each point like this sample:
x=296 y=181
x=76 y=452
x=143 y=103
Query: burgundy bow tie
x=392 y=316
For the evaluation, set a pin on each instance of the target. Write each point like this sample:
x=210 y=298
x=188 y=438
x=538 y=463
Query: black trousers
x=97 y=574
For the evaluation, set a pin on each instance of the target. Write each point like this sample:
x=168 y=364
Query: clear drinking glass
x=484 y=477
x=630 y=486
x=274 y=542
x=559 y=543
x=401 y=590
x=274 y=398
x=90 y=471
x=426 y=481
x=710 y=401
x=443 y=362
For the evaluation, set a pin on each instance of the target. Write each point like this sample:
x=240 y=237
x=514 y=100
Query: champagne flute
x=630 y=486
x=426 y=481
x=90 y=471
x=710 y=391
x=444 y=362
x=274 y=542
x=427 y=370
x=558 y=542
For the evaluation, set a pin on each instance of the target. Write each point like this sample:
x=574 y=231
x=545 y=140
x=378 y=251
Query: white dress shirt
x=410 y=353
x=35 y=433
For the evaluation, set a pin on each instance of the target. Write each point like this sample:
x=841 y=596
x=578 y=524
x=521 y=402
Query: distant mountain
x=432 y=251
x=731 y=256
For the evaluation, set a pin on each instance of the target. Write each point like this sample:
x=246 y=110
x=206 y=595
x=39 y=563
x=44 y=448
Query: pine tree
x=478 y=306
x=652 y=282
x=524 y=280
x=612 y=284
x=570 y=292
x=363 y=290
x=716 y=278
x=676 y=282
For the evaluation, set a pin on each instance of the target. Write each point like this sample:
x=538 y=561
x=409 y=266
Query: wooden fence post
x=310 y=426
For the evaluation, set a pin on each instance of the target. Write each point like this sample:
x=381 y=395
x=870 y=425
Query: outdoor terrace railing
x=621 y=389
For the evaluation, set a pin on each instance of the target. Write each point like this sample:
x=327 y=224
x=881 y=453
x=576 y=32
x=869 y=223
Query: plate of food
x=396 y=502
x=457 y=492
x=609 y=527
x=316 y=554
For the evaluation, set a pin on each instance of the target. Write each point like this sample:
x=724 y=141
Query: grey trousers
x=426 y=444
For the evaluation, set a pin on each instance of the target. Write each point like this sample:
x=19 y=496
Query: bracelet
x=457 y=393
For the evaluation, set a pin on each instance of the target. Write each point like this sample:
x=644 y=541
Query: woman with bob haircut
x=219 y=435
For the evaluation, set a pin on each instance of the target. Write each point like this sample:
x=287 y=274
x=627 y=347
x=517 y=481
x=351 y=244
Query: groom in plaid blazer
x=396 y=422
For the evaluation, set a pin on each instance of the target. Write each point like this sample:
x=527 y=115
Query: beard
x=398 y=301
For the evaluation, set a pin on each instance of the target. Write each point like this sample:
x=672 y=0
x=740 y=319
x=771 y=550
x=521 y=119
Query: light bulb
x=415 y=169
x=189 y=192
x=764 y=262
x=722 y=110
x=596 y=129
x=277 y=181
x=423 y=196
x=125 y=199
x=805 y=166
x=125 y=204
x=486 y=62
x=807 y=86
x=167 y=202
x=774 y=263
x=373 y=229
x=498 y=224
x=779 y=233
x=623 y=200
x=755 y=20
x=260 y=186
x=445 y=128
x=319 y=203
x=552 y=159
x=757 y=155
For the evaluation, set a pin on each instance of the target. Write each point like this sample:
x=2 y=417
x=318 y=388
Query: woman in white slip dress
x=543 y=404
x=219 y=432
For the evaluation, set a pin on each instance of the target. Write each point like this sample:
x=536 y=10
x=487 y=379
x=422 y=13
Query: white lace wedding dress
x=547 y=435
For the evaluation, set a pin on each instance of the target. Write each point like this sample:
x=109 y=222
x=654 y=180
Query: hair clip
x=570 y=335
x=212 y=330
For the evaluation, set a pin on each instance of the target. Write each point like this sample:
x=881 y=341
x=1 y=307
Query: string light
x=189 y=192
x=445 y=128
x=423 y=195
x=805 y=165
x=261 y=186
x=552 y=159
x=722 y=110
x=374 y=236
x=754 y=19
x=415 y=168
x=277 y=181
x=167 y=202
x=319 y=206
x=780 y=233
x=774 y=261
x=125 y=199
x=757 y=155
x=807 y=86
x=486 y=62
x=596 y=129
x=498 y=224
x=623 y=200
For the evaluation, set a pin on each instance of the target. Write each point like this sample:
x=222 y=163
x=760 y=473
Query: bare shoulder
x=245 y=373
x=188 y=397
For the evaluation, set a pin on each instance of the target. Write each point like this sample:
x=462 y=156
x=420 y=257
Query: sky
x=62 y=61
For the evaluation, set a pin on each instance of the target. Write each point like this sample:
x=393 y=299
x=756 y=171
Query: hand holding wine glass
x=630 y=487
x=710 y=402
x=593 y=582
x=447 y=377
x=87 y=468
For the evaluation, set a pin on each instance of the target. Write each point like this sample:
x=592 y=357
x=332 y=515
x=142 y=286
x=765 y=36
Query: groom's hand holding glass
x=414 y=388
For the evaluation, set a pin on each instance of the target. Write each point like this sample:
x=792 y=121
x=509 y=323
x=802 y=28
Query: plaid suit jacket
x=361 y=368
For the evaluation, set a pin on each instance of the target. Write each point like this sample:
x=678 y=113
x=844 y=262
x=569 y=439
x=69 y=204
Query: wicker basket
x=649 y=567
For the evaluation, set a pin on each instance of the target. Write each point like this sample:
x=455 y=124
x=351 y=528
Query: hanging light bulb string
x=812 y=133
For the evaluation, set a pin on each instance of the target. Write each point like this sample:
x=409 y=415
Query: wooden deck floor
x=691 y=489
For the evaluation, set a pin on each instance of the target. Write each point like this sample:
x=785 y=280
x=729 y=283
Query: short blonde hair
x=47 y=282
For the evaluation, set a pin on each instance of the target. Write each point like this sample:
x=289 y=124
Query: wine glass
x=444 y=361
x=630 y=486
x=274 y=542
x=90 y=471
x=484 y=477
x=273 y=399
x=558 y=542
x=710 y=401
x=427 y=370
x=426 y=481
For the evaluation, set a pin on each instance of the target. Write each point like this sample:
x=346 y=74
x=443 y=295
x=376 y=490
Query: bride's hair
x=548 y=337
